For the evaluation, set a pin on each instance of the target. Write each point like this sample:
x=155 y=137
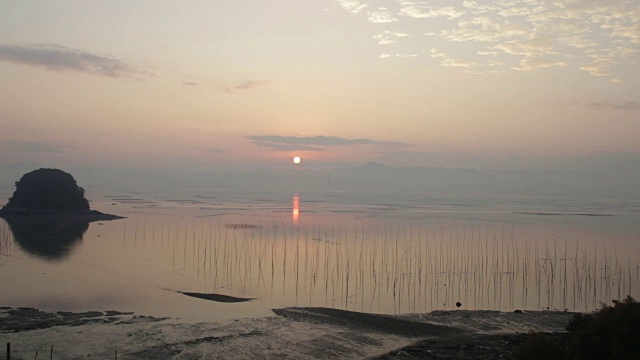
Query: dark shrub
x=613 y=332
x=543 y=346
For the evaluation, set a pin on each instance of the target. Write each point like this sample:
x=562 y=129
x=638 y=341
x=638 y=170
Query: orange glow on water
x=296 y=208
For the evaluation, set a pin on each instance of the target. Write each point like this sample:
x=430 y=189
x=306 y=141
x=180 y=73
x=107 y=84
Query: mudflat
x=292 y=333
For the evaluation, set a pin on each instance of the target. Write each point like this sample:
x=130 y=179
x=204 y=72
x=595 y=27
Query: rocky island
x=50 y=196
x=48 y=214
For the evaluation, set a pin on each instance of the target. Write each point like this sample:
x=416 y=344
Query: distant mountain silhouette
x=373 y=166
x=605 y=175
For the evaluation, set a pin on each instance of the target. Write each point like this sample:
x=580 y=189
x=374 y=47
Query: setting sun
x=296 y=160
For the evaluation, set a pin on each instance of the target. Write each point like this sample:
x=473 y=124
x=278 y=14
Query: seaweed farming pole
x=8 y=351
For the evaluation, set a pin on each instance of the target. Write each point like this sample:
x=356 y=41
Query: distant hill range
x=616 y=179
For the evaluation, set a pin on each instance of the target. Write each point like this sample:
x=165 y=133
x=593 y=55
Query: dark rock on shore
x=215 y=297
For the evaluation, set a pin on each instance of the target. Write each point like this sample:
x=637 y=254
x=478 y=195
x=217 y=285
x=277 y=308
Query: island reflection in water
x=47 y=241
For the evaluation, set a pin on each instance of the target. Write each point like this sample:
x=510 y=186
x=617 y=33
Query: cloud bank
x=314 y=143
x=247 y=84
x=37 y=147
x=627 y=105
x=588 y=35
x=63 y=59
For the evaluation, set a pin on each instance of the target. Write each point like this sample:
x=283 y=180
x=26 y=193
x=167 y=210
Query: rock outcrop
x=50 y=195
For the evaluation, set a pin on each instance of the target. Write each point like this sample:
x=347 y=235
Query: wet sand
x=292 y=333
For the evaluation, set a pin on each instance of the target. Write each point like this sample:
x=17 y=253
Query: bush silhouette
x=47 y=189
x=610 y=333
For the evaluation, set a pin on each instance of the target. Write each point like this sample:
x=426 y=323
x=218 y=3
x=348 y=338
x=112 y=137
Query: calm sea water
x=371 y=252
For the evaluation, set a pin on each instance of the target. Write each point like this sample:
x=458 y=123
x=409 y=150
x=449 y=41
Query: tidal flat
x=323 y=274
x=288 y=333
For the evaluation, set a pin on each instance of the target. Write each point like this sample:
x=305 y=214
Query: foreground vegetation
x=610 y=333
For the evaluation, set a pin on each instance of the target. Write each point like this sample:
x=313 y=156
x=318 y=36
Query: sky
x=253 y=83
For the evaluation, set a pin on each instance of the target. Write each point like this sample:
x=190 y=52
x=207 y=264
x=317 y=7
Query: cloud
x=484 y=29
x=449 y=61
x=595 y=36
x=536 y=45
x=631 y=32
x=381 y=16
x=473 y=72
x=353 y=6
x=62 y=59
x=314 y=143
x=244 y=85
x=532 y=63
x=38 y=147
x=488 y=53
x=577 y=41
x=250 y=84
x=423 y=10
x=389 y=37
x=627 y=106
x=601 y=60
x=434 y=53
x=191 y=83
x=597 y=68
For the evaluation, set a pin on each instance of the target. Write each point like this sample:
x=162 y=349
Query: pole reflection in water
x=296 y=208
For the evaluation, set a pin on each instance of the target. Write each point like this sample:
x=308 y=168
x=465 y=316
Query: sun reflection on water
x=296 y=208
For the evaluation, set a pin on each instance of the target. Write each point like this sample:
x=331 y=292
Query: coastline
x=292 y=333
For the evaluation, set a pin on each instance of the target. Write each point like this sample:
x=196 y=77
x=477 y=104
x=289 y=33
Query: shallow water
x=372 y=252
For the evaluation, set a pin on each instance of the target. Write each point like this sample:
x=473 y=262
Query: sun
x=296 y=160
